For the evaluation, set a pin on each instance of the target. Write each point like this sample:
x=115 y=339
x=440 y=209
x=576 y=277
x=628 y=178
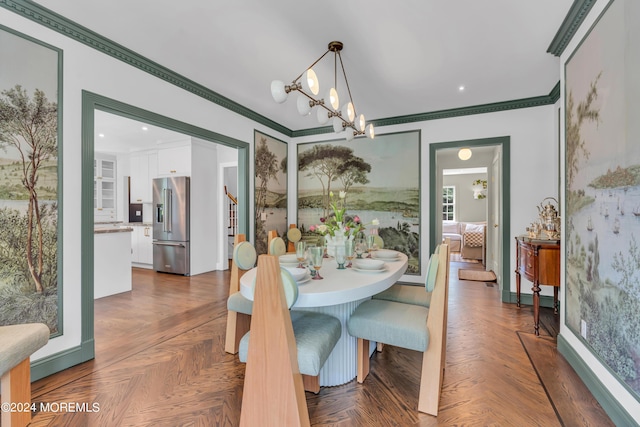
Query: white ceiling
x=401 y=58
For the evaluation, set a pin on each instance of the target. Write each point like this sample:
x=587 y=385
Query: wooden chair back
x=293 y=236
x=237 y=323
x=433 y=360
x=273 y=392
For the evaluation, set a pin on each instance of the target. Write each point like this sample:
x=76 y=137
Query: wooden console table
x=539 y=261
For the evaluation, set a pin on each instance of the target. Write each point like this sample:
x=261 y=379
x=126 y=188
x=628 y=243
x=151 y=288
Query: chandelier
x=328 y=108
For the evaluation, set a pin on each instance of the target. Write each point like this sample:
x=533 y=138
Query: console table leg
x=517 y=288
x=536 y=308
x=555 y=300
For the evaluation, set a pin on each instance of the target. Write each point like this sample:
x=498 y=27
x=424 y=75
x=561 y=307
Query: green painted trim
x=505 y=143
x=55 y=22
x=65 y=26
x=538 y=101
x=91 y=102
x=576 y=15
x=609 y=403
x=60 y=361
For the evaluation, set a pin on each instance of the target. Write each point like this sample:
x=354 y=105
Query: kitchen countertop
x=102 y=230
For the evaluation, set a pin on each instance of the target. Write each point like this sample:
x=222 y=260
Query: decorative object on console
x=307 y=83
x=548 y=224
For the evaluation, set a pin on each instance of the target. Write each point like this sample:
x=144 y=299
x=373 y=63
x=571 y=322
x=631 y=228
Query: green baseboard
x=609 y=403
x=60 y=361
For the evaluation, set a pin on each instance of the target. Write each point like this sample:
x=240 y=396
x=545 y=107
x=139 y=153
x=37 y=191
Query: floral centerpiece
x=338 y=226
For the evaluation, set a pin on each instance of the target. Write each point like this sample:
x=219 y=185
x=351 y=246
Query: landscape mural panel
x=381 y=179
x=603 y=191
x=270 y=189
x=29 y=245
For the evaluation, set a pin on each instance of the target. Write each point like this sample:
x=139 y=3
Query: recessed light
x=145 y=128
x=101 y=135
x=461 y=88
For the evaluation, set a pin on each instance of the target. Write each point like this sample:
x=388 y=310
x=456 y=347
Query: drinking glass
x=316 y=254
x=370 y=245
x=301 y=254
x=361 y=247
x=341 y=256
x=349 y=251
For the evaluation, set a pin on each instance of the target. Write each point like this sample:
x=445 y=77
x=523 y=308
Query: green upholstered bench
x=18 y=343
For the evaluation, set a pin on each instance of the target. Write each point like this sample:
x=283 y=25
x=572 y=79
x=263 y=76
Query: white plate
x=386 y=258
x=359 y=270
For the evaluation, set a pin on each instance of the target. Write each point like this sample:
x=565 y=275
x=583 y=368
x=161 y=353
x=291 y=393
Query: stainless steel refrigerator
x=171 y=199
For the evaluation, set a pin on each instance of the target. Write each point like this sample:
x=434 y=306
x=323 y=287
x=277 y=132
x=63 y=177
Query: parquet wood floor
x=160 y=361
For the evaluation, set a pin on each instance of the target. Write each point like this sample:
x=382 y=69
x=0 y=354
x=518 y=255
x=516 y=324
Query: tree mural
x=30 y=127
x=327 y=163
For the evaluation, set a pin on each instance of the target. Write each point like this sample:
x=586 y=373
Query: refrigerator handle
x=166 y=224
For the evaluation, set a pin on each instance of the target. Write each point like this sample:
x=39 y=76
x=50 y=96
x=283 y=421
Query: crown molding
x=62 y=25
x=536 y=101
x=577 y=13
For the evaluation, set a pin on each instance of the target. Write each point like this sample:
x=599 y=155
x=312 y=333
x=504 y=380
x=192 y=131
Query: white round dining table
x=338 y=295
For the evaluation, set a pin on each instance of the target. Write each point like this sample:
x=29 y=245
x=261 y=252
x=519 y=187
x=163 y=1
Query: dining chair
x=293 y=235
x=409 y=326
x=276 y=245
x=239 y=308
x=412 y=294
x=297 y=342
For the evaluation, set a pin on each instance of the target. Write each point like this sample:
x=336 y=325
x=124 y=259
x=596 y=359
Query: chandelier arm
x=310 y=66
x=347 y=83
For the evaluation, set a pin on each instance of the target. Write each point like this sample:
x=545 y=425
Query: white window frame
x=449 y=215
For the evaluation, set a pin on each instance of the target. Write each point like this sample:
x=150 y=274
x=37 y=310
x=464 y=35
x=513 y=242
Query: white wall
x=87 y=69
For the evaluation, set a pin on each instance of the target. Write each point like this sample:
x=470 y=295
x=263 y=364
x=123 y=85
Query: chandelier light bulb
x=360 y=124
x=334 y=101
x=310 y=82
x=348 y=111
x=370 y=132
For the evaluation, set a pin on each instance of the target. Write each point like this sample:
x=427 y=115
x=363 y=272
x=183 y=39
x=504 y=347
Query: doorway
x=498 y=216
x=90 y=103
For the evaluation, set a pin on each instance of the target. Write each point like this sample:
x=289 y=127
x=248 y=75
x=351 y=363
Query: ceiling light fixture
x=464 y=154
x=145 y=128
x=307 y=83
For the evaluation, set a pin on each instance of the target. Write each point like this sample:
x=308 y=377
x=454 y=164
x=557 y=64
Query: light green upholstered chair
x=239 y=308
x=410 y=326
x=316 y=334
x=413 y=294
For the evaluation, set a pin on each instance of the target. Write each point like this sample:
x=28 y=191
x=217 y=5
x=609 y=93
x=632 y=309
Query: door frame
x=504 y=143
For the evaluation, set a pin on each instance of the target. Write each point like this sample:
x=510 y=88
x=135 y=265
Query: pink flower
x=356 y=219
x=312 y=228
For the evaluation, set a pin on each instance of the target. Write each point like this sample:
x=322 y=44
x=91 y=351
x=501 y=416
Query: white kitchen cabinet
x=142 y=246
x=104 y=188
x=144 y=168
x=174 y=161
